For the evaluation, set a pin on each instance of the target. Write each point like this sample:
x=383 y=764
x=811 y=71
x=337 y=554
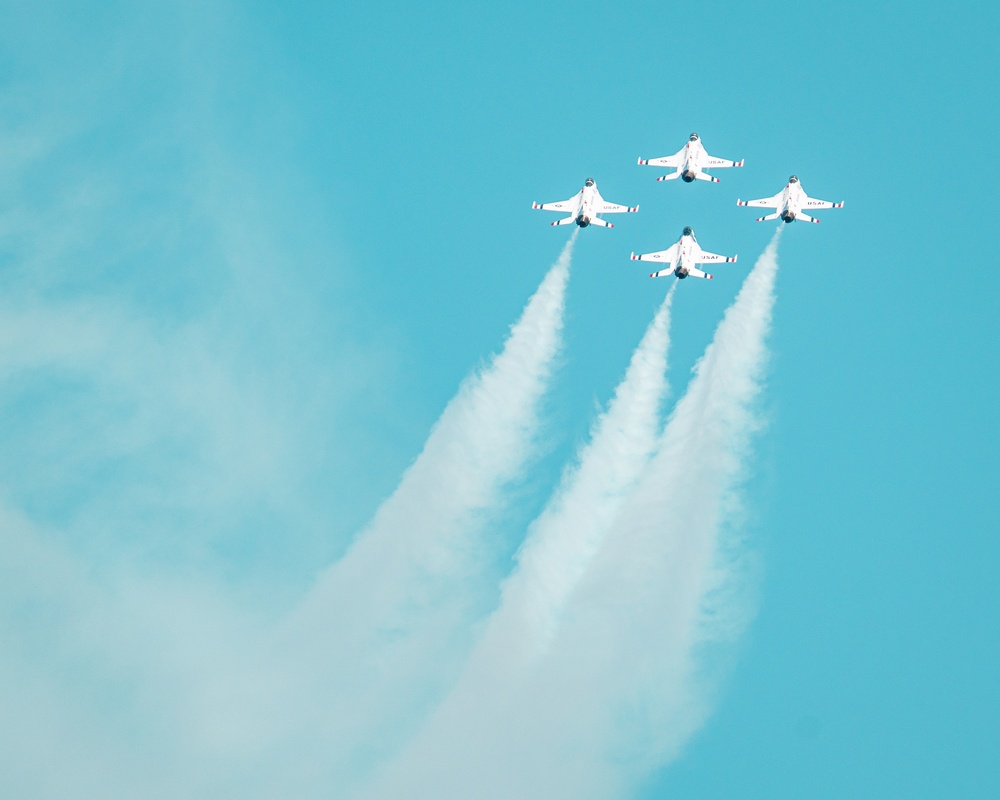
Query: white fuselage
x=688 y=251
x=792 y=201
x=590 y=200
x=694 y=156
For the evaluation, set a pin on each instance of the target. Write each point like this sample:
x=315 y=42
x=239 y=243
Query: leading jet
x=690 y=161
x=682 y=257
x=583 y=208
x=790 y=203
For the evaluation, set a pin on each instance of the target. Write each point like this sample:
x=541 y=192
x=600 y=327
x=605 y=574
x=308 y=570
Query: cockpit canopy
x=688 y=232
x=793 y=179
x=589 y=182
x=694 y=137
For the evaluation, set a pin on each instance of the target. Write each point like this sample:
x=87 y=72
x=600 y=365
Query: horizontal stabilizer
x=671 y=177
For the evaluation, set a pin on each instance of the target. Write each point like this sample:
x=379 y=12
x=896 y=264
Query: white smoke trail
x=627 y=679
x=386 y=626
x=568 y=534
x=559 y=548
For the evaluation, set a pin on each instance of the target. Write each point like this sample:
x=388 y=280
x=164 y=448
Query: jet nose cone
x=688 y=232
x=589 y=182
x=793 y=179
x=694 y=137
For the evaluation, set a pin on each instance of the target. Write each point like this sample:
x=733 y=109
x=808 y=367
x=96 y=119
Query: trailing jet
x=790 y=203
x=584 y=207
x=690 y=161
x=682 y=257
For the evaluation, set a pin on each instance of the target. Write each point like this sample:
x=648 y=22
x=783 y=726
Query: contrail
x=568 y=534
x=630 y=673
x=667 y=591
x=386 y=626
x=559 y=548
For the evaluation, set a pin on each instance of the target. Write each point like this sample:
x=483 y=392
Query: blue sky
x=249 y=252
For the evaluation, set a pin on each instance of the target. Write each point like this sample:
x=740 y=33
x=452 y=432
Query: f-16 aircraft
x=790 y=203
x=583 y=208
x=690 y=161
x=682 y=257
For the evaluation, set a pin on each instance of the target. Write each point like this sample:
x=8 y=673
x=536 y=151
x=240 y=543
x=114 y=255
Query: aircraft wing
x=666 y=161
x=813 y=203
x=712 y=161
x=614 y=208
x=712 y=258
x=764 y=202
x=662 y=256
x=563 y=205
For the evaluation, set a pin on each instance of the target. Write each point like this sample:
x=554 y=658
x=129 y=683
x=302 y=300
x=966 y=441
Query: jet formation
x=689 y=164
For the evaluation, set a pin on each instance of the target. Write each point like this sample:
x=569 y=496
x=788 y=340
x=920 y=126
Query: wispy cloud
x=171 y=410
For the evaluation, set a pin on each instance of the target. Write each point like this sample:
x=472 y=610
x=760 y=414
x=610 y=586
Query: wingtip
x=634 y=209
x=632 y=256
x=642 y=162
x=652 y=274
x=710 y=277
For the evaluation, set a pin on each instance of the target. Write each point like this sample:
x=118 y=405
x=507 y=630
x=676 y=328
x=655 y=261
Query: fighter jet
x=584 y=207
x=790 y=203
x=690 y=161
x=682 y=257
